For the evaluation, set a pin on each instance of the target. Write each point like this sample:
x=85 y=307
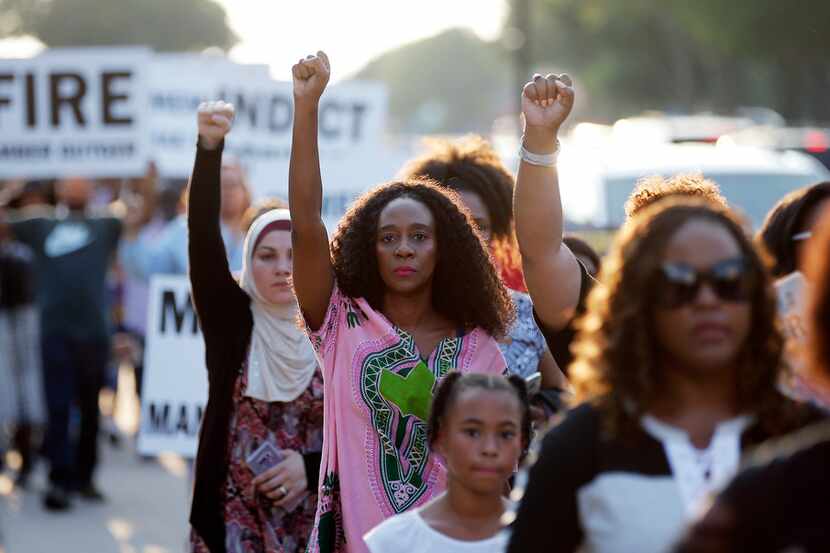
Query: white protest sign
x=351 y=122
x=174 y=390
x=352 y=117
x=74 y=112
x=177 y=84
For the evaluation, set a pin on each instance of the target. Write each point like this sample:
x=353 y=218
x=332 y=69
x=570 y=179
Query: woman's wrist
x=206 y=143
x=306 y=108
x=540 y=140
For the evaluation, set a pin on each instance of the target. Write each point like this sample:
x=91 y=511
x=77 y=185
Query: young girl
x=479 y=425
x=405 y=294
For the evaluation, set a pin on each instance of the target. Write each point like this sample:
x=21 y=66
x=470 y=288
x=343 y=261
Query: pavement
x=146 y=507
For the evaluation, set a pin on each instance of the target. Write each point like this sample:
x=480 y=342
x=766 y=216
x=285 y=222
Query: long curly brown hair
x=469 y=164
x=472 y=165
x=466 y=288
x=617 y=364
x=656 y=188
x=818 y=311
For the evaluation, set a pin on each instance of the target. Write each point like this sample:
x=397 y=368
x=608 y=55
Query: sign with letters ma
x=175 y=379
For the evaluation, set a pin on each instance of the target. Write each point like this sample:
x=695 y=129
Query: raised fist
x=311 y=75
x=547 y=101
x=215 y=121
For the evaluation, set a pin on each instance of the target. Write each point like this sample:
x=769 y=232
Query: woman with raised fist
x=403 y=294
x=259 y=445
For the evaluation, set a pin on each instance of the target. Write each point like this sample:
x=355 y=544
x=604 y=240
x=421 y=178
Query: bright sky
x=352 y=32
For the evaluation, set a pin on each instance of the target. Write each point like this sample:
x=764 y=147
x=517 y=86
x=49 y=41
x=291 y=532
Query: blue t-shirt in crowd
x=72 y=255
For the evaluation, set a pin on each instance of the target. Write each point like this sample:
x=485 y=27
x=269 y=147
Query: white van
x=596 y=181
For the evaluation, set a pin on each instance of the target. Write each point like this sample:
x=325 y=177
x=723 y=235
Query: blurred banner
x=174 y=389
x=105 y=112
x=352 y=119
x=74 y=112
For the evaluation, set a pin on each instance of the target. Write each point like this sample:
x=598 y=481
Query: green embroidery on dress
x=403 y=449
x=331 y=535
x=354 y=315
x=412 y=393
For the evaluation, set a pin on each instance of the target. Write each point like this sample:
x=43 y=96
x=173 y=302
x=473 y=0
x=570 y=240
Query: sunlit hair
x=260 y=207
x=471 y=165
x=787 y=219
x=454 y=383
x=466 y=288
x=656 y=188
x=617 y=364
x=818 y=310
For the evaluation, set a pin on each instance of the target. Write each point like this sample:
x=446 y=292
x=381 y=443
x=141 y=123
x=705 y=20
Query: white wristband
x=542 y=160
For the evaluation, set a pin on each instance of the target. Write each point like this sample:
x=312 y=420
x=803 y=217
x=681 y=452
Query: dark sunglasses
x=678 y=284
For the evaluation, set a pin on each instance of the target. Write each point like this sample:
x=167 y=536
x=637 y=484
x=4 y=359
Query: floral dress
x=524 y=345
x=252 y=524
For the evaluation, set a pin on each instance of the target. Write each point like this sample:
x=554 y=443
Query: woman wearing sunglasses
x=676 y=369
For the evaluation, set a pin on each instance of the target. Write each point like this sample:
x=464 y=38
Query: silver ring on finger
x=283 y=491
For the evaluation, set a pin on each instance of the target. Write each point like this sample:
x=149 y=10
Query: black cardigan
x=226 y=322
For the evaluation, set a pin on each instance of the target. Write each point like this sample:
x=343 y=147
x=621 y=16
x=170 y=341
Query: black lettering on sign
x=31 y=101
x=159 y=416
x=358 y=113
x=246 y=108
x=5 y=78
x=108 y=97
x=170 y=308
x=72 y=98
x=280 y=114
x=188 y=418
x=328 y=128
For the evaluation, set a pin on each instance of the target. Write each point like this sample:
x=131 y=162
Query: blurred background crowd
x=738 y=91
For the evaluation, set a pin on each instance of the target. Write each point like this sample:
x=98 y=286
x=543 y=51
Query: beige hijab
x=281 y=360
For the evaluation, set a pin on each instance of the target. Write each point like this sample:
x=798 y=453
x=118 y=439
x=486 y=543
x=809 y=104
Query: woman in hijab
x=259 y=449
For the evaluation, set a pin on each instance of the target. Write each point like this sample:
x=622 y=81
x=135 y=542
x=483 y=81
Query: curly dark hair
x=818 y=310
x=787 y=219
x=616 y=365
x=455 y=382
x=655 y=188
x=466 y=288
x=469 y=164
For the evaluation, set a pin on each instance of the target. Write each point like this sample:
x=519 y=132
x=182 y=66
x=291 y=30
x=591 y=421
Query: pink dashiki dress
x=376 y=461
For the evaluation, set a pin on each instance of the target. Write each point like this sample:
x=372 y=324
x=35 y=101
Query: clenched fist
x=215 y=121
x=547 y=101
x=311 y=75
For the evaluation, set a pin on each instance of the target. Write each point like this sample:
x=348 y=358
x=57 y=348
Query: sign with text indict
x=177 y=84
x=174 y=390
x=74 y=112
x=351 y=121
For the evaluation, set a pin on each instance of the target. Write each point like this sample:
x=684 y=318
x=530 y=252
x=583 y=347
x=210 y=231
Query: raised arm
x=313 y=273
x=551 y=271
x=218 y=299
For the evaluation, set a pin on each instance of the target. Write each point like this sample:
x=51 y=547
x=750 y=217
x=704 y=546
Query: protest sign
x=74 y=112
x=174 y=390
x=352 y=118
